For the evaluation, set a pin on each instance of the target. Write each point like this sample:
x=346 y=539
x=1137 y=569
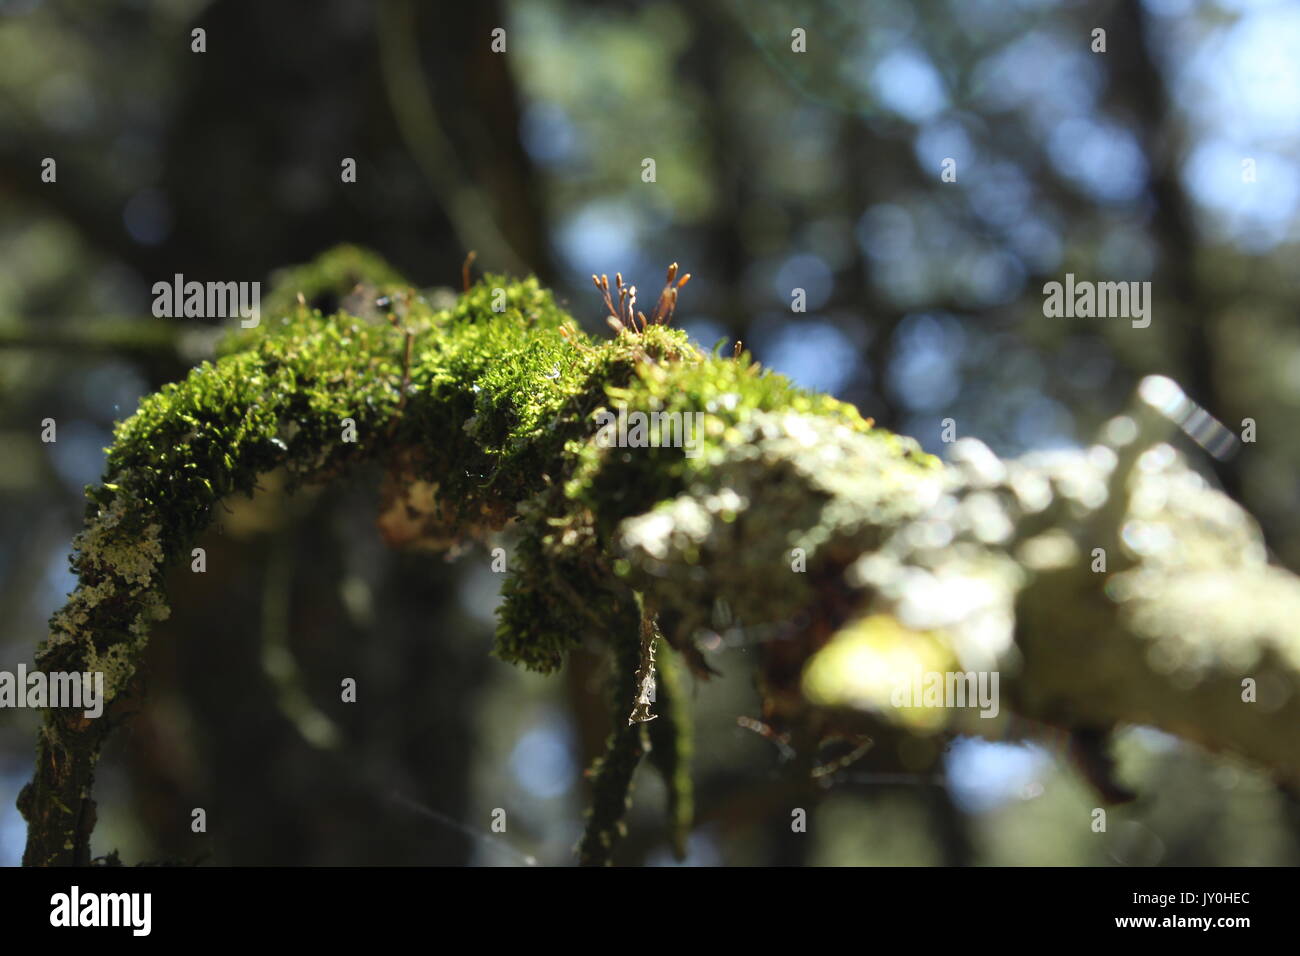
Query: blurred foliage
x=774 y=171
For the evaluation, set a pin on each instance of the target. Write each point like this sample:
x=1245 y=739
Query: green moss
x=492 y=400
x=795 y=513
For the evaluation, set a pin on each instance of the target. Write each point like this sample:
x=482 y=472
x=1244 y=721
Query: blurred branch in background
x=468 y=207
x=148 y=341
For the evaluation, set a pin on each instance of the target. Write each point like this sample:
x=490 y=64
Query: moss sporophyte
x=494 y=407
x=482 y=410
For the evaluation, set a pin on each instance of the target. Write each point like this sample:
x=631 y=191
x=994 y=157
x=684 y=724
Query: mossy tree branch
x=836 y=545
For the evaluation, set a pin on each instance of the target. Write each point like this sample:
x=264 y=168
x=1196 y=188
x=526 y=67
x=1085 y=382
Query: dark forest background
x=775 y=171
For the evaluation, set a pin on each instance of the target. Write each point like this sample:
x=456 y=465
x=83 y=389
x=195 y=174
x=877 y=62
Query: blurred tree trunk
x=217 y=731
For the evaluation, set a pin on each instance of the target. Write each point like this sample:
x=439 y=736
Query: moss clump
x=790 y=512
x=488 y=405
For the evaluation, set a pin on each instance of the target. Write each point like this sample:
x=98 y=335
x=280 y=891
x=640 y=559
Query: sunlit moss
x=488 y=404
x=871 y=665
x=492 y=400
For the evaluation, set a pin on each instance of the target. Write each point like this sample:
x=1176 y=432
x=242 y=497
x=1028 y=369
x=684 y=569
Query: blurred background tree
x=775 y=171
